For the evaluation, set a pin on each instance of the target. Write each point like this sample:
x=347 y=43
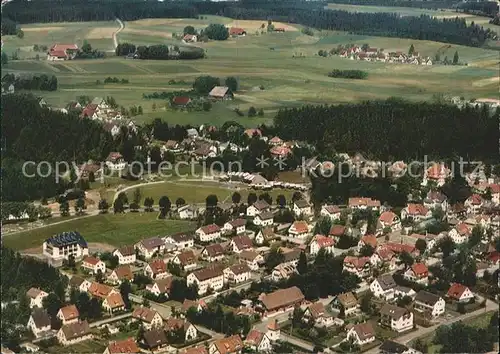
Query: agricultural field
x=274 y=70
x=111 y=229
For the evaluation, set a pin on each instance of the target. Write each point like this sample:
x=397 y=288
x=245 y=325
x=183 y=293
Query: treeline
x=42 y=82
x=309 y=14
x=348 y=74
x=159 y=52
x=429 y=4
x=394 y=129
x=486 y=8
x=9 y=27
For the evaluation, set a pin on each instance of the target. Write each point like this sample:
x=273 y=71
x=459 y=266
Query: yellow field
x=101 y=32
x=250 y=25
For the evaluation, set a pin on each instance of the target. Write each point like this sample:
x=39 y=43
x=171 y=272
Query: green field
x=285 y=64
x=402 y=11
x=112 y=229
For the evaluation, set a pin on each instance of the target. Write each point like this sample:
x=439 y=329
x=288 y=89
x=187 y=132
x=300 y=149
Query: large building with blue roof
x=59 y=247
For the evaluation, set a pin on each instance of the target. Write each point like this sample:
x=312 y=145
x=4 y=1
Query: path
x=134 y=186
x=122 y=26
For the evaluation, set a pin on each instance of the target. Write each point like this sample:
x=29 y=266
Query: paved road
x=297 y=342
x=122 y=26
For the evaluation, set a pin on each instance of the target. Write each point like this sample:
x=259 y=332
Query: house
x=383 y=255
x=237 y=226
x=302 y=207
x=437 y=173
x=208 y=233
x=74 y=333
x=151 y=246
x=190 y=38
x=275 y=141
x=124 y=346
x=207 y=278
x=361 y=334
x=94 y=265
x=416 y=212
x=181 y=241
x=79 y=283
x=160 y=286
x=258 y=207
x=369 y=240
x=383 y=287
x=188 y=212
x=241 y=243
x=435 y=199
x=402 y=291
x=191 y=332
x=252 y=259
x=429 y=303
x=264 y=219
x=148 y=318
x=113 y=303
x=363 y=203
x=391 y=347
x=418 y=273
x=265 y=235
x=319 y=242
x=283 y=272
x=474 y=203
x=195 y=350
x=331 y=211
x=221 y=93
x=156 y=269
x=357 y=265
x=36 y=297
x=398 y=319
x=125 y=254
x=390 y=220
x=213 y=253
x=186 y=260
x=346 y=303
x=237 y=32
x=101 y=291
x=198 y=305
x=258 y=341
x=459 y=292
x=337 y=231
x=120 y=274
x=204 y=151
x=291 y=256
x=281 y=299
x=299 y=229
x=39 y=322
x=399 y=248
x=63 y=245
x=115 y=161
x=155 y=339
x=460 y=233
x=228 y=345
x=62 y=52
x=8 y=88
x=317 y=314
x=68 y=314
x=238 y=273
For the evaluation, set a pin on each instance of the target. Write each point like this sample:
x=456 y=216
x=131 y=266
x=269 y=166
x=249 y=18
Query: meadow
x=402 y=11
x=286 y=65
x=112 y=229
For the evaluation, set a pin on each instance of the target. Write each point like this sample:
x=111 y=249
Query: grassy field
x=112 y=229
x=402 y=11
x=285 y=64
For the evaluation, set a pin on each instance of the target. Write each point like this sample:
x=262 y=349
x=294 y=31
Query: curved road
x=122 y=26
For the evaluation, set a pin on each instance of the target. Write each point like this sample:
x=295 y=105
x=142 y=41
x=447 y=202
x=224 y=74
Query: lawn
x=285 y=65
x=113 y=229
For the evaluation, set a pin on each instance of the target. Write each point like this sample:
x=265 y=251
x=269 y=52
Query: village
x=367 y=53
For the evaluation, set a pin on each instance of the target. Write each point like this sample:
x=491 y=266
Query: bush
x=348 y=74
x=207 y=106
x=216 y=32
x=252 y=112
x=307 y=31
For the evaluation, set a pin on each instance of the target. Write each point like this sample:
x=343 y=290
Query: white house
x=369 y=240
x=402 y=291
x=74 y=333
x=283 y=272
x=125 y=254
x=61 y=246
x=258 y=207
x=460 y=293
x=258 y=341
x=156 y=269
x=252 y=259
x=36 y=297
x=208 y=233
x=186 y=260
x=302 y=207
x=39 y=322
x=437 y=173
x=361 y=334
x=240 y=243
x=318 y=315
x=68 y=314
x=357 y=265
x=429 y=303
x=160 y=286
x=396 y=318
x=237 y=226
x=227 y=345
x=207 y=278
x=115 y=161
x=389 y=219
x=331 y=211
x=436 y=199
x=265 y=234
x=120 y=274
x=299 y=229
x=150 y=247
x=113 y=303
x=345 y=302
x=474 y=204
x=264 y=219
x=460 y=233
x=416 y=212
x=213 y=253
x=418 y=273
x=191 y=332
x=79 y=283
x=149 y=318
x=181 y=241
x=188 y=212
x=238 y=273
x=319 y=242
x=94 y=265
x=363 y=203
x=383 y=287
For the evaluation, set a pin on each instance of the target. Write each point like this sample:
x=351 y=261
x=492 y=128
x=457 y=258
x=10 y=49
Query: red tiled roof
x=337 y=230
x=64 y=47
x=300 y=227
x=476 y=199
x=456 y=290
x=126 y=346
x=420 y=269
x=495 y=188
x=254 y=337
x=417 y=209
x=358 y=262
x=158 y=266
x=181 y=100
x=236 y=31
x=369 y=240
x=463 y=229
x=387 y=217
x=69 y=312
x=210 y=229
x=58 y=53
x=437 y=171
x=91 y=260
x=399 y=247
x=324 y=241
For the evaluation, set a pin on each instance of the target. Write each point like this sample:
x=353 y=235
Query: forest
x=305 y=13
x=348 y=74
x=42 y=82
x=485 y=8
x=394 y=129
x=426 y=4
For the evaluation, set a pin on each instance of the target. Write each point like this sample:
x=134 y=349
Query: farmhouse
x=74 y=333
x=282 y=299
x=208 y=233
x=61 y=246
x=210 y=277
x=39 y=322
x=362 y=333
x=36 y=297
x=62 y=52
x=396 y=318
x=221 y=93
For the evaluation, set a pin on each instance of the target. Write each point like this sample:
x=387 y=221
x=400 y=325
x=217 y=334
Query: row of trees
x=19 y=210
x=348 y=74
x=216 y=319
x=159 y=52
x=35 y=82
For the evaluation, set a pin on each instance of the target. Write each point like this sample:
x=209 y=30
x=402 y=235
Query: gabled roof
x=115 y=300
x=302 y=203
x=158 y=266
x=386 y=282
x=69 y=312
x=181 y=100
x=337 y=230
x=187 y=257
x=392 y=347
x=267 y=215
x=214 y=250
x=317 y=309
x=300 y=227
x=41 y=318
x=152 y=243
x=123 y=272
x=369 y=240
x=364 y=330
x=239 y=269
x=210 y=229
x=208 y=273
x=219 y=91
x=347 y=299
x=238 y=222
x=181 y=237
x=388 y=217
x=66 y=239
x=242 y=242
x=427 y=297
x=393 y=312
x=417 y=209
x=260 y=205
x=463 y=229
x=323 y=241
x=248 y=255
x=254 y=337
x=420 y=269
x=228 y=345
x=282 y=297
x=456 y=290
x=357 y=262
x=34 y=292
x=236 y=31
x=91 y=260
x=76 y=330
x=187 y=304
x=125 y=346
x=368 y=202
x=332 y=209
x=164 y=284
x=144 y=314
x=155 y=338
x=99 y=290
x=196 y=350
x=76 y=281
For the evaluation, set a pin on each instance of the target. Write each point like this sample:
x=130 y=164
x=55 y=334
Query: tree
x=260 y=113
x=366 y=250
x=455 y=58
x=79 y=206
x=118 y=206
x=252 y=112
x=207 y=106
x=421 y=245
x=148 y=204
x=323 y=226
x=189 y=30
x=211 y=201
x=165 y=206
x=5 y=58
x=366 y=303
x=71 y=262
x=99 y=277
x=446 y=245
x=52 y=304
x=236 y=198
x=406 y=259
x=266 y=197
x=216 y=32
x=273 y=258
x=204 y=84
x=281 y=200
x=125 y=290
x=476 y=236
x=86 y=47
x=20 y=33
x=64 y=208
x=137 y=195
x=302 y=265
x=180 y=202
x=232 y=83
x=296 y=196
x=411 y=50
